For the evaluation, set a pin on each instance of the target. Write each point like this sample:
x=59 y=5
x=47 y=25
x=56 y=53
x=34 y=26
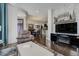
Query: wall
x=13 y=14
x=77 y=17
x=36 y=20
x=23 y=16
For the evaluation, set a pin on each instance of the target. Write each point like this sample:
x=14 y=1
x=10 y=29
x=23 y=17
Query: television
x=66 y=28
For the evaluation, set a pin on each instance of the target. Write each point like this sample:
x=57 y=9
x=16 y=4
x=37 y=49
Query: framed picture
x=30 y=27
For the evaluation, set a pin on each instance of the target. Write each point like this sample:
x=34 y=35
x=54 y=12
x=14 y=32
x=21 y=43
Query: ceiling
x=40 y=9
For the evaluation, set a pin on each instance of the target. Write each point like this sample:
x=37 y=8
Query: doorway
x=20 y=26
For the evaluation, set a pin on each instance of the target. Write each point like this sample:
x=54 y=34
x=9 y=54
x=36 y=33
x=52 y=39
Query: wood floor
x=64 y=49
x=41 y=40
x=61 y=48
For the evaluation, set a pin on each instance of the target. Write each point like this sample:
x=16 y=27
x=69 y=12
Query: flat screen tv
x=66 y=28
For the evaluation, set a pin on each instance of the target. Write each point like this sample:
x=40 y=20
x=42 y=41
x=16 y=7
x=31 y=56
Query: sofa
x=25 y=36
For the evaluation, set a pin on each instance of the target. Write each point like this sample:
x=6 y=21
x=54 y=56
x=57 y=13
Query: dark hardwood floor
x=63 y=49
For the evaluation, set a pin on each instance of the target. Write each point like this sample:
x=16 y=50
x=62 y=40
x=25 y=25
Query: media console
x=71 y=39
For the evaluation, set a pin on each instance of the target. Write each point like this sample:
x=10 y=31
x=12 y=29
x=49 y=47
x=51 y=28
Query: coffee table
x=32 y=49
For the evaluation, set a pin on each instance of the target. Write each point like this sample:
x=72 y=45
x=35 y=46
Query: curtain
x=4 y=22
x=0 y=23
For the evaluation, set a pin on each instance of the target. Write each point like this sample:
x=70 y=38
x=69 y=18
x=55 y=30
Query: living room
x=51 y=26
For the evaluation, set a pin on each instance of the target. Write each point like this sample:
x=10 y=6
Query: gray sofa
x=24 y=37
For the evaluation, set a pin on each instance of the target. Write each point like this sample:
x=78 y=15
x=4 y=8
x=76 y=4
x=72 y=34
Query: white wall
x=77 y=17
x=22 y=15
x=13 y=14
x=12 y=24
x=36 y=20
x=50 y=14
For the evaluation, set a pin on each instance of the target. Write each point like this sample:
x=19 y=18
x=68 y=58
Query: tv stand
x=71 y=39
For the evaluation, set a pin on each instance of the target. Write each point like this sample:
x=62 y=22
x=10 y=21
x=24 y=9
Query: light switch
x=0 y=27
